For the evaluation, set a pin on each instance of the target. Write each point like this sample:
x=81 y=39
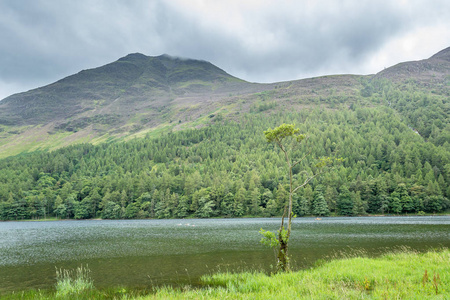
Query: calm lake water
x=142 y=253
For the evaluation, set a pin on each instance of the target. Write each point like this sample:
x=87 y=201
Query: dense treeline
x=392 y=165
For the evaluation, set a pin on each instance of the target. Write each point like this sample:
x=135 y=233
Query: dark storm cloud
x=264 y=41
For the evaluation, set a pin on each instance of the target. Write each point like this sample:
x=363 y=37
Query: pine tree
x=281 y=199
x=205 y=207
x=320 y=206
x=238 y=204
x=226 y=206
x=255 y=202
x=345 y=202
x=182 y=210
x=395 y=204
x=359 y=207
x=331 y=196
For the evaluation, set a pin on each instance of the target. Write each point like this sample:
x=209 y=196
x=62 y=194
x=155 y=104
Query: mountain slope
x=138 y=94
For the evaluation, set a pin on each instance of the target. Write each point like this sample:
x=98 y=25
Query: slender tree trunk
x=282 y=257
x=283 y=261
x=277 y=135
x=290 y=200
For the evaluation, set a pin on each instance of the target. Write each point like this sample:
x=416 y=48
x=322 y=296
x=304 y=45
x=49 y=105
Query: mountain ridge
x=443 y=54
x=434 y=69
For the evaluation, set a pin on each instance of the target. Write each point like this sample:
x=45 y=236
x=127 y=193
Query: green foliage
x=269 y=238
x=205 y=209
x=278 y=134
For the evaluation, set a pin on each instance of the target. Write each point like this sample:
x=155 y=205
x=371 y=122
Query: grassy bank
x=405 y=275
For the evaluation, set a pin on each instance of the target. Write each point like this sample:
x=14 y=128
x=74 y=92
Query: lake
x=143 y=253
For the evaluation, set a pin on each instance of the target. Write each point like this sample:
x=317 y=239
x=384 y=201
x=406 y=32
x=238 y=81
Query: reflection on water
x=141 y=253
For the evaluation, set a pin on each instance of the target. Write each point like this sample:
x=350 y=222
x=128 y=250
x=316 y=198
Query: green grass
x=401 y=275
x=392 y=276
x=111 y=293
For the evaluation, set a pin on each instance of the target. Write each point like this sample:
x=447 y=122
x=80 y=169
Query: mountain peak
x=134 y=57
x=139 y=57
x=168 y=56
x=170 y=62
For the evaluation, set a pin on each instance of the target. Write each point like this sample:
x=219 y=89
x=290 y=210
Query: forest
x=395 y=142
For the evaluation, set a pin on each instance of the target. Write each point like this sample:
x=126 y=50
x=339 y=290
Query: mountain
x=138 y=94
x=165 y=137
x=136 y=81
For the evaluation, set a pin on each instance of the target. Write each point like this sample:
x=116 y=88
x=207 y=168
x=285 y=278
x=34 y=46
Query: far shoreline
x=318 y=218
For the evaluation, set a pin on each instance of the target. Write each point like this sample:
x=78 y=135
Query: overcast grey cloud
x=260 y=41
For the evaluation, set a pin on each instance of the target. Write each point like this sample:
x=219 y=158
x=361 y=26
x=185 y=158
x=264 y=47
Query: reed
x=73 y=282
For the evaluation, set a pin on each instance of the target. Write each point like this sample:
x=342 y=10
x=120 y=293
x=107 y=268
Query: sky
x=42 y=41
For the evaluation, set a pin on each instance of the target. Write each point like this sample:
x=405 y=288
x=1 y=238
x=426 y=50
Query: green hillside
x=204 y=154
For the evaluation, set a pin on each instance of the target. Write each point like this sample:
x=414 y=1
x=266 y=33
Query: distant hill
x=138 y=94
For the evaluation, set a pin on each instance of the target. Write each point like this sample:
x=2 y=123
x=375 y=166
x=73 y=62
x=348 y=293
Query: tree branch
x=306 y=181
x=299 y=161
x=285 y=155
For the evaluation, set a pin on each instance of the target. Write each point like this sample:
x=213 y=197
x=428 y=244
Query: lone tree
x=279 y=136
